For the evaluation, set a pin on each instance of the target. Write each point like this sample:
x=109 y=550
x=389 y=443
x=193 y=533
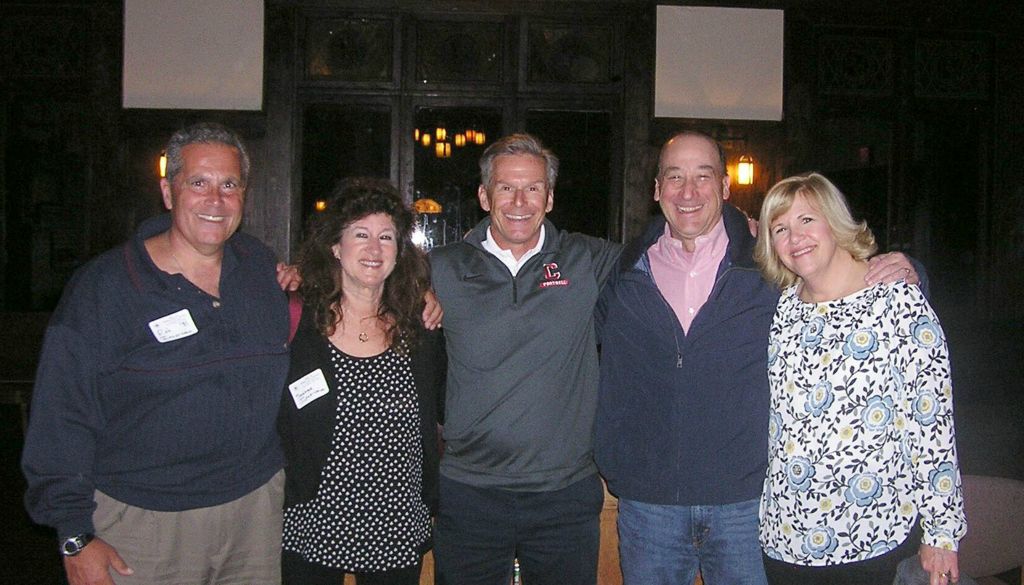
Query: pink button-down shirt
x=684 y=278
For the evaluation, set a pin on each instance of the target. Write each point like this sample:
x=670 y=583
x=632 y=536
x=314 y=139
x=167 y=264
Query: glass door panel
x=340 y=141
x=448 y=142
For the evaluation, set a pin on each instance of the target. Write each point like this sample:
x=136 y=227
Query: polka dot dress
x=368 y=514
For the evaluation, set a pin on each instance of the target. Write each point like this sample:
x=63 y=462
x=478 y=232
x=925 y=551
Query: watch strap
x=73 y=545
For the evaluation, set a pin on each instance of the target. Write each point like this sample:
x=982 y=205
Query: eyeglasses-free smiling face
x=804 y=241
x=207 y=196
x=518 y=199
x=691 y=187
x=367 y=250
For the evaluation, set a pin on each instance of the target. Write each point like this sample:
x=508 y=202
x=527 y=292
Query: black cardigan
x=306 y=433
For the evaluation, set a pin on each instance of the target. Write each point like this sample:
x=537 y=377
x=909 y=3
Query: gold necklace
x=363 y=336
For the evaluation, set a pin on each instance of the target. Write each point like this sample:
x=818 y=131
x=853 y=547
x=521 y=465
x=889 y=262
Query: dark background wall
x=911 y=107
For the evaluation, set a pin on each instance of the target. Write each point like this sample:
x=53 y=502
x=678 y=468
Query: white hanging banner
x=719 y=63
x=193 y=54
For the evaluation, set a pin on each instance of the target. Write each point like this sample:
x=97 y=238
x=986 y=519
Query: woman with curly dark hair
x=359 y=420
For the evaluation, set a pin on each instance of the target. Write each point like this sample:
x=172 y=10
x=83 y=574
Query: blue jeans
x=668 y=545
x=554 y=535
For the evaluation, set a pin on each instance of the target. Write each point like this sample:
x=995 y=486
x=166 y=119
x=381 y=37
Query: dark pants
x=879 y=570
x=296 y=570
x=555 y=535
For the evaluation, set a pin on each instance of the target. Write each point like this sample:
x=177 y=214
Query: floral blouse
x=860 y=430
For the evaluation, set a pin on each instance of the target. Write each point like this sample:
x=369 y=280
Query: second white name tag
x=308 y=388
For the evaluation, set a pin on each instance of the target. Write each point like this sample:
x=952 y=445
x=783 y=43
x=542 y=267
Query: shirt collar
x=702 y=245
x=506 y=256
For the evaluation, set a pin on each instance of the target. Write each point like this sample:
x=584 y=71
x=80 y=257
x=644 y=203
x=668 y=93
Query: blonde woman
x=862 y=456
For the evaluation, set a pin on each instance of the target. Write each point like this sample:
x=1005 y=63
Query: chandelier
x=442 y=140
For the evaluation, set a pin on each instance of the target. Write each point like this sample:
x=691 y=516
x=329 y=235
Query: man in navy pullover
x=152 y=448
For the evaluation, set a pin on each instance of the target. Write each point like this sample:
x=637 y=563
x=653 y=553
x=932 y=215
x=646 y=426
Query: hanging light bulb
x=480 y=138
x=440 y=133
x=416 y=135
x=439 y=149
x=460 y=140
x=470 y=133
x=425 y=139
x=320 y=205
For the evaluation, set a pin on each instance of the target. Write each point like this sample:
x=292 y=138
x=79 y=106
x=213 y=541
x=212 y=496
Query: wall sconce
x=745 y=171
x=162 y=165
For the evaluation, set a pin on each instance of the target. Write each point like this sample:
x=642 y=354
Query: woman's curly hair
x=401 y=304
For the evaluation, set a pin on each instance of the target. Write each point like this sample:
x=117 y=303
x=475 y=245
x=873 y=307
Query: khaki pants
x=237 y=543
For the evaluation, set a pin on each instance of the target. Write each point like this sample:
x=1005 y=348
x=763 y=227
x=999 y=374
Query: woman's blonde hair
x=853 y=236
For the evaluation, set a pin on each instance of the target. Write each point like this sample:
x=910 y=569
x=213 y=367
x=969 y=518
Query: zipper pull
x=679 y=361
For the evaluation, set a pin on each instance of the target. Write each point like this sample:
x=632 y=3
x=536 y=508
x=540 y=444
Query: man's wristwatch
x=73 y=545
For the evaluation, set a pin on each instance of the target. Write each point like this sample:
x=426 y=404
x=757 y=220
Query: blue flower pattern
x=863 y=489
x=774 y=427
x=799 y=473
x=925 y=407
x=810 y=333
x=878 y=412
x=926 y=332
x=819 y=398
x=883 y=546
x=820 y=542
x=943 y=478
x=861 y=439
x=860 y=344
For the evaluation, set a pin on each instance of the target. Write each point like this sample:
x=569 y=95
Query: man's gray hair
x=518 y=144
x=204 y=133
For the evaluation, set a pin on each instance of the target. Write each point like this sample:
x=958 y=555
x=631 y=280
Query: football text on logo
x=553 y=277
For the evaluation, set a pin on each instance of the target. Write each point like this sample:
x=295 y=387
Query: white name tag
x=173 y=326
x=308 y=388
